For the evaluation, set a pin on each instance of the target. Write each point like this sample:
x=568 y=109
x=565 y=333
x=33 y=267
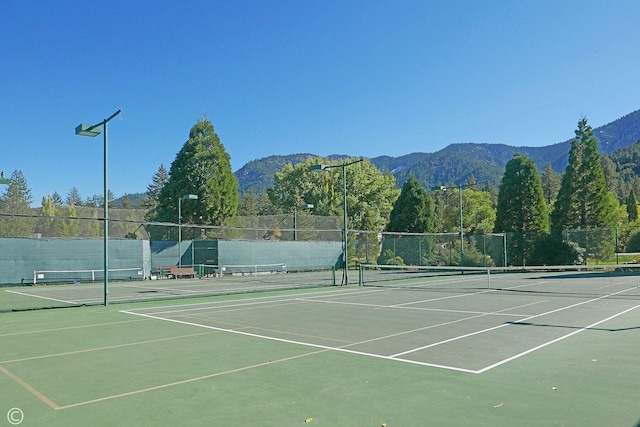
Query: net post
x=333 y=270
x=360 y=275
x=488 y=277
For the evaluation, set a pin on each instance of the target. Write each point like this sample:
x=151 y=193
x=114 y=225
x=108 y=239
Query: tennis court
x=92 y=293
x=512 y=349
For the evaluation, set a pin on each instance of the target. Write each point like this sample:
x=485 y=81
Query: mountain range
x=455 y=163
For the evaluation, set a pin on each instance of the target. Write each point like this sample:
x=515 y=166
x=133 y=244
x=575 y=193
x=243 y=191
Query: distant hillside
x=457 y=162
x=258 y=174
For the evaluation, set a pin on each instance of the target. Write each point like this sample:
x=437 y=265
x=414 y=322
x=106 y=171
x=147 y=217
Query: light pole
x=321 y=167
x=84 y=129
x=295 y=218
x=459 y=187
x=185 y=197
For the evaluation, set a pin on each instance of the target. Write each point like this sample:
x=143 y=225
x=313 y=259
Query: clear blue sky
x=363 y=78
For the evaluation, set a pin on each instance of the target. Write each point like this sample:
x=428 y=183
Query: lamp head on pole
x=84 y=129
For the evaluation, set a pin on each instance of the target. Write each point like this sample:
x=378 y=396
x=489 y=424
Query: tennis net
x=253 y=269
x=622 y=279
x=41 y=277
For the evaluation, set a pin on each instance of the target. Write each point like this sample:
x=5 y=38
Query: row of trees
x=533 y=218
x=533 y=208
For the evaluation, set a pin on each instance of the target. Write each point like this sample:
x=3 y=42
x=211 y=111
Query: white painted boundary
x=161 y=315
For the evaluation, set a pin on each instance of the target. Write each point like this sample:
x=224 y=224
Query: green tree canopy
x=369 y=191
x=583 y=200
x=248 y=204
x=158 y=182
x=57 y=220
x=201 y=167
x=413 y=209
x=550 y=184
x=521 y=203
x=16 y=199
x=522 y=209
x=74 y=198
x=478 y=212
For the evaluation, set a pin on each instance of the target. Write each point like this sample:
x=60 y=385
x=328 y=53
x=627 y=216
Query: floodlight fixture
x=84 y=129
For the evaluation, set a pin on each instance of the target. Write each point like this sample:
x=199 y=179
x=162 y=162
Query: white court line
x=402 y=307
x=43 y=297
x=397 y=357
x=531 y=350
x=505 y=324
x=238 y=302
x=325 y=347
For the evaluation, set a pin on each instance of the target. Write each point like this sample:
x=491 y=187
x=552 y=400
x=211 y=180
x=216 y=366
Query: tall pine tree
x=152 y=194
x=583 y=200
x=201 y=167
x=550 y=184
x=412 y=213
x=17 y=199
x=522 y=209
x=413 y=209
x=521 y=203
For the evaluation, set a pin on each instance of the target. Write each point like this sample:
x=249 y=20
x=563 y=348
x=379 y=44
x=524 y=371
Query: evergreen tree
x=248 y=204
x=74 y=198
x=583 y=200
x=56 y=199
x=16 y=200
x=152 y=194
x=632 y=206
x=550 y=184
x=522 y=209
x=521 y=201
x=201 y=167
x=611 y=176
x=412 y=213
x=125 y=202
x=413 y=209
x=265 y=207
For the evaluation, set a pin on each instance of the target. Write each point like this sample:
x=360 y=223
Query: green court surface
x=331 y=356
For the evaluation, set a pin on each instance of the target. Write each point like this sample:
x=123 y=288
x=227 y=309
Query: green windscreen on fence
x=24 y=260
x=55 y=261
x=43 y=273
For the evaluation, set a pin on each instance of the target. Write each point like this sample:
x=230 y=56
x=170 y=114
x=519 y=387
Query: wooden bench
x=177 y=272
x=162 y=271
